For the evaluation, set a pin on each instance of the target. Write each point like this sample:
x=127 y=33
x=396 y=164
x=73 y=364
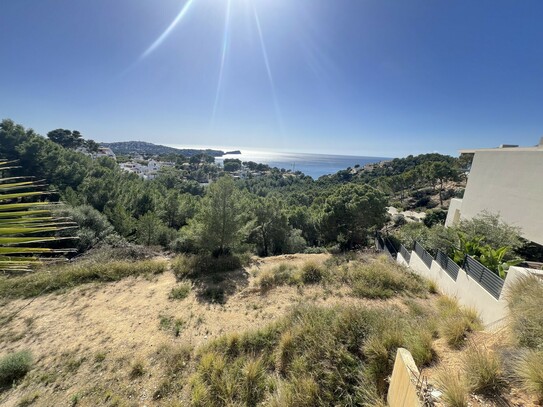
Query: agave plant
x=25 y=225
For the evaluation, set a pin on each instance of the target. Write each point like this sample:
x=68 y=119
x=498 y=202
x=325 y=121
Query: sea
x=314 y=165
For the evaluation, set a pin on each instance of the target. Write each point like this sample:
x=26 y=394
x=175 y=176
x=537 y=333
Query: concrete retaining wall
x=468 y=292
x=402 y=391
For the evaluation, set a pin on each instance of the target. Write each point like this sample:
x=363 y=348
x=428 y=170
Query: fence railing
x=489 y=280
x=379 y=244
x=389 y=247
x=405 y=253
x=486 y=278
x=423 y=254
x=447 y=264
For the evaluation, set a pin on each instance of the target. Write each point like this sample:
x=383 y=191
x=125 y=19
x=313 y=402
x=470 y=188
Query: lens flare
x=168 y=30
x=268 y=69
x=225 y=46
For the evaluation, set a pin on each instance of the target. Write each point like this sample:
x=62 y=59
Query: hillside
x=145 y=148
x=150 y=340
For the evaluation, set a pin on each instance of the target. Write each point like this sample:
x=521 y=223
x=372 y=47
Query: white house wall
x=509 y=182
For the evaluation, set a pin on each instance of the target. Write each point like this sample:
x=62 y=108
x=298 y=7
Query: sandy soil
x=87 y=341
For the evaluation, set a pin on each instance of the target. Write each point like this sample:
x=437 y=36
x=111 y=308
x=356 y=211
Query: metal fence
x=379 y=244
x=450 y=267
x=423 y=254
x=389 y=248
x=384 y=245
x=405 y=253
x=489 y=280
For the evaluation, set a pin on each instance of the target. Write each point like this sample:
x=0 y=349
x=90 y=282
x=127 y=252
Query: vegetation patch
x=14 y=366
x=525 y=301
x=69 y=276
x=314 y=356
x=456 y=322
x=200 y=264
x=383 y=279
x=483 y=370
x=454 y=387
x=181 y=291
x=529 y=372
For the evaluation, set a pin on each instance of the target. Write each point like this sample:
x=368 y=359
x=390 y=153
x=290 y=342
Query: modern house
x=509 y=181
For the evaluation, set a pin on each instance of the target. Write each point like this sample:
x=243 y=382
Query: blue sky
x=357 y=77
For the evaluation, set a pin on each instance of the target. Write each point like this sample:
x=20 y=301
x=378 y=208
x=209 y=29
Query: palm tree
x=25 y=224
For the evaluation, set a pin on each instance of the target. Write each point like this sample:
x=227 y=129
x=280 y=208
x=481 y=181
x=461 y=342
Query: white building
x=149 y=171
x=508 y=181
x=105 y=152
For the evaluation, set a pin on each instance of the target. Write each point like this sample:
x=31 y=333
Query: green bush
x=14 y=366
x=181 y=291
x=312 y=273
x=199 y=264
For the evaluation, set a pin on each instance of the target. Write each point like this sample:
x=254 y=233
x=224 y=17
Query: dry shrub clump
x=525 y=301
x=454 y=387
x=483 y=370
x=65 y=277
x=383 y=279
x=282 y=274
x=456 y=322
x=528 y=369
x=315 y=356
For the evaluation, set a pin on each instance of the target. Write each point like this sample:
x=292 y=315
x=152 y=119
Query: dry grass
x=525 y=300
x=483 y=370
x=454 y=387
x=69 y=276
x=528 y=369
x=456 y=322
x=104 y=344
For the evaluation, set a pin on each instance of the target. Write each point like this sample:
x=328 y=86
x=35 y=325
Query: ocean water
x=314 y=165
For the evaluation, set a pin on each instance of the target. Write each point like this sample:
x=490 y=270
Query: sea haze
x=314 y=165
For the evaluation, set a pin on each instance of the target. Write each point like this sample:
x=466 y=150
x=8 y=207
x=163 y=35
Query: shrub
x=496 y=233
x=456 y=322
x=382 y=279
x=181 y=291
x=93 y=226
x=198 y=264
x=14 y=366
x=525 y=301
x=137 y=369
x=528 y=369
x=283 y=274
x=483 y=370
x=311 y=273
x=454 y=388
x=175 y=358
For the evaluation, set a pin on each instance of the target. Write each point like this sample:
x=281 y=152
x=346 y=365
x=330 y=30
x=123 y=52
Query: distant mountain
x=142 y=147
